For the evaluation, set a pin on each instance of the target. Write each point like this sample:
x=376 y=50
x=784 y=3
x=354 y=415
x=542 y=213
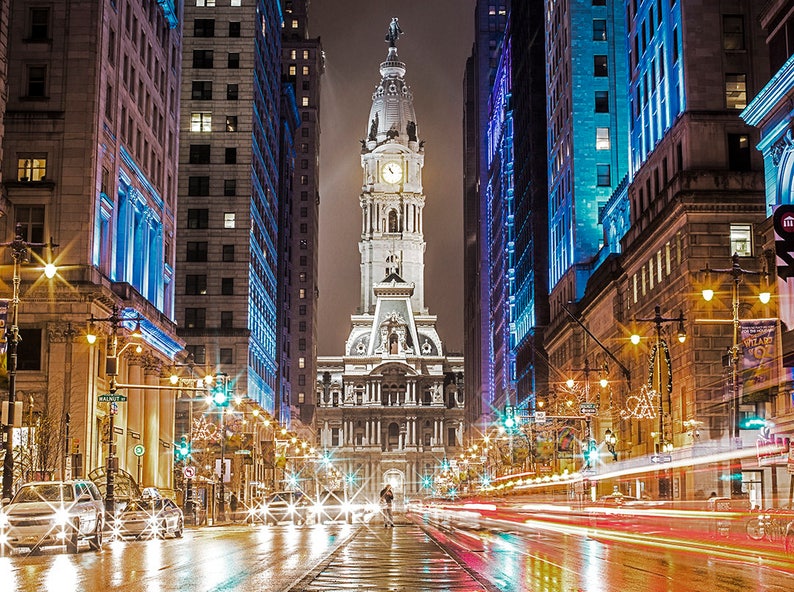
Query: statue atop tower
x=394 y=32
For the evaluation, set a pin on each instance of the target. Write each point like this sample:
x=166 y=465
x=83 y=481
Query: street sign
x=114 y=398
x=540 y=417
x=189 y=472
x=661 y=458
x=138 y=450
x=242 y=452
x=588 y=408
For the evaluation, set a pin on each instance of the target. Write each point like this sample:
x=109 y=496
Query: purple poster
x=759 y=355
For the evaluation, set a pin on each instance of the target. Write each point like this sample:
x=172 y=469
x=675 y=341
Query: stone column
x=151 y=425
x=167 y=430
x=135 y=415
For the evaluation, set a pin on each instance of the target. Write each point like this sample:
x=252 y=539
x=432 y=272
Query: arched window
x=394 y=223
x=394 y=436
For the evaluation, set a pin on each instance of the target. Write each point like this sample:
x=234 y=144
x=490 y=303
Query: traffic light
x=509 y=419
x=220 y=390
x=591 y=453
x=182 y=449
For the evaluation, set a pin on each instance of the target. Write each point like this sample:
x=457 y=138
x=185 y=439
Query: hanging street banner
x=3 y=323
x=760 y=344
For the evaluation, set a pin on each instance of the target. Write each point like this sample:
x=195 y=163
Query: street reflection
x=7 y=575
x=62 y=574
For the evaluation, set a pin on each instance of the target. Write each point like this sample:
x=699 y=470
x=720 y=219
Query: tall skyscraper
x=228 y=218
x=490 y=23
x=391 y=408
x=303 y=63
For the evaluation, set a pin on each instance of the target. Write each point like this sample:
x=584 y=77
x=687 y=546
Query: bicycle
x=765 y=525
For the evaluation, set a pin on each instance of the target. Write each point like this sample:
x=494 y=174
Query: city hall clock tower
x=391 y=407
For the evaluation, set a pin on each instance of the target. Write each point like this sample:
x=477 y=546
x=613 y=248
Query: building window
x=196 y=251
x=227 y=253
x=294 y=23
x=602 y=101
x=736 y=91
x=304 y=179
x=227 y=286
x=201 y=122
x=739 y=152
x=31 y=219
x=742 y=240
x=197 y=218
x=302 y=326
x=231 y=123
x=732 y=32
x=302 y=310
x=195 y=285
x=302 y=344
x=301 y=380
x=230 y=155
x=202 y=58
x=301 y=362
x=304 y=212
x=202 y=90
x=602 y=138
x=199 y=154
x=302 y=294
x=39 y=24
x=233 y=61
x=229 y=187
x=203 y=28
x=225 y=355
x=228 y=219
x=293 y=70
x=31 y=169
x=231 y=92
x=599 y=30
x=195 y=318
x=198 y=186
x=37 y=81
x=600 y=66
x=198 y=353
x=236 y=3
x=603 y=177
x=227 y=319
x=234 y=29
x=304 y=101
x=303 y=244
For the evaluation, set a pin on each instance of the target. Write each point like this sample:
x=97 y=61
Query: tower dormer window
x=394 y=222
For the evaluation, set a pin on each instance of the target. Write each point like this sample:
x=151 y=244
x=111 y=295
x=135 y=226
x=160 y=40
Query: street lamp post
x=19 y=251
x=660 y=346
x=737 y=273
x=112 y=370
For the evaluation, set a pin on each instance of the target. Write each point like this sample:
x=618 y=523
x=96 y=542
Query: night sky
x=438 y=38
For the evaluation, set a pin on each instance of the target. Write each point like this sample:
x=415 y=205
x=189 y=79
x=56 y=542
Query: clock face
x=392 y=172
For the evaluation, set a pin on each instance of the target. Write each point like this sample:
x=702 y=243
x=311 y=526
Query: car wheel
x=95 y=542
x=72 y=539
x=179 y=528
x=162 y=530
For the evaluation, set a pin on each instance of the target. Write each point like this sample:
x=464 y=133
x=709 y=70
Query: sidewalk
x=402 y=558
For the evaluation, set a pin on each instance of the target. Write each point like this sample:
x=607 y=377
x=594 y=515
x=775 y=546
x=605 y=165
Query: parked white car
x=50 y=513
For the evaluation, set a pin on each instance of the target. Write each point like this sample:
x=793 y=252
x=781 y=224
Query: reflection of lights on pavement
x=62 y=575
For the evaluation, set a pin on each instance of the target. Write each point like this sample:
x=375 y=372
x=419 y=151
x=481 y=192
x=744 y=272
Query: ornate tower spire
x=392 y=242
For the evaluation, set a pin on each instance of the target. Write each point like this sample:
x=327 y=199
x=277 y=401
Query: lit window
x=201 y=122
x=228 y=219
x=736 y=91
x=302 y=293
x=294 y=23
x=305 y=54
x=304 y=101
x=293 y=54
x=741 y=239
x=301 y=362
x=293 y=70
x=301 y=398
x=602 y=138
x=205 y=2
x=305 y=70
x=31 y=169
x=234 y=3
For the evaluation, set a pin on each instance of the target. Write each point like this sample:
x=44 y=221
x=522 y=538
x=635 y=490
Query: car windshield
x=46 y=492
x=144 y=505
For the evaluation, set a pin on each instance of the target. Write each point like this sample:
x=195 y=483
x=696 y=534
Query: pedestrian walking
x=233 y=506
x=386 y=499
